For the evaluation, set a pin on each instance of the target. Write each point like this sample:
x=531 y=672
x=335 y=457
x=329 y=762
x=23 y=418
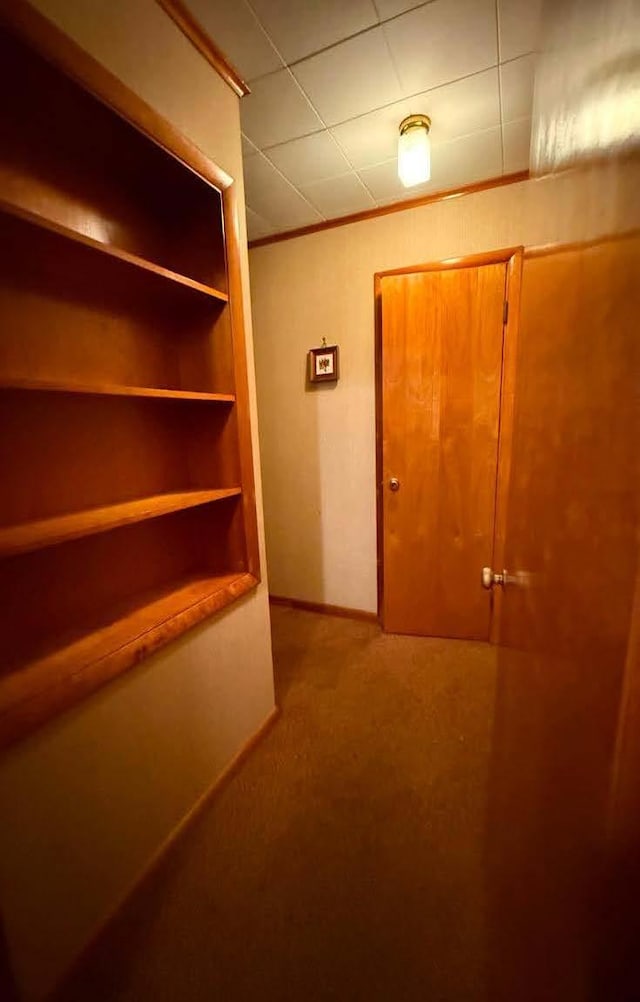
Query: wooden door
x=440 y=371
x=563 y=897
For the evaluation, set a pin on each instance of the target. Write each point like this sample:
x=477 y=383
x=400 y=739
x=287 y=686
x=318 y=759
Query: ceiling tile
x=516 y=140
x=236 y=31
x=457 y=109
x=517 y=88
x=276 y=111
x=461 y=161
x=350 y=79
x=383 y=183
x=257 y=227
x=272 y=197
x=391 y=8
x=460 y=108
x=298 y=29
x=372 y=138
x=339 y=196
x=471 y=158
x=310 y=159
x=519 y=25
x=441 y=41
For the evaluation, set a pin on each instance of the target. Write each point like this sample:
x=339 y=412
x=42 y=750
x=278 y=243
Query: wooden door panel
x=572 y=547
x=442 y=335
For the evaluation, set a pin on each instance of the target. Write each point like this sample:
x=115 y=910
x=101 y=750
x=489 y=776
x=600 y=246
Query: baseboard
x=164 y=850
x=327 y=610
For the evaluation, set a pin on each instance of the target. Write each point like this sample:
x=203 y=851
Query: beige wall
x=318 y=444
x=88 y=800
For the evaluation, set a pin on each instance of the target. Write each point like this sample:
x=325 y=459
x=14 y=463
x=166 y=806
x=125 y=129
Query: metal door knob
x=490 y=578
x=394 y=484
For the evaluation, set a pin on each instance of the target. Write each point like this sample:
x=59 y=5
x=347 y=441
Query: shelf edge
x=115 y=390
x=20 y=718
x=122 y=514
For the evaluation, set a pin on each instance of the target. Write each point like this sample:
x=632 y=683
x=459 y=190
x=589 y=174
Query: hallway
x=344 y=860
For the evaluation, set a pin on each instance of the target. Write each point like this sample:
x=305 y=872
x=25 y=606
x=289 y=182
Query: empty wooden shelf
x=85 y=240
x=28 y=536
x=127 y=502
x=69 y=315
x=113 y=390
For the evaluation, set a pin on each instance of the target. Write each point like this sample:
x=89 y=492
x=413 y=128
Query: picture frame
x=323 y=364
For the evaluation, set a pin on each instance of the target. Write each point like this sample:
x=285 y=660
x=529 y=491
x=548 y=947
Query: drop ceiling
x=331 y=80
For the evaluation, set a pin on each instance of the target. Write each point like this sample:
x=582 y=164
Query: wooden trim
x=512 y=256
x=205 y=45
x=24 y=537
x=61 y=51
x=455 y=263
x=113 y=390
x=546 y=250
x=377 y=306
x=505 y=430
x=41 y=690
x=385 y=210
x=162 y=854
x=325 y=610
x=236 y=307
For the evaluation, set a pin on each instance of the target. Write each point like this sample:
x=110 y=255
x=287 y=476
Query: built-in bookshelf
x=127 y=509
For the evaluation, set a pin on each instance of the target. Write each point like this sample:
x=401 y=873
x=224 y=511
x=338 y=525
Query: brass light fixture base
x=415 y=122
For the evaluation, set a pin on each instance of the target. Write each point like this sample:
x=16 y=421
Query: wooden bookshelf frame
x=56 y=676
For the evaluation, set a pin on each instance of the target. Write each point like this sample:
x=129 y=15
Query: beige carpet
x=344 y=861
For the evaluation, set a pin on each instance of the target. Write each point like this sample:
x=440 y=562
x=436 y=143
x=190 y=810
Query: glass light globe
x=414 y=152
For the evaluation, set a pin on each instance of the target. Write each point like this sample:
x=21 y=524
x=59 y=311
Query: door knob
x=490 y=578
x=394 y=484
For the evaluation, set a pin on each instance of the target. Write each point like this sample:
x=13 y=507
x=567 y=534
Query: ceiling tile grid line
x=322 y=122
x=380 y=20
x=283 y=180
x=340 y=146
x=360 y=182
x=299 y=30
x=499 y=82
x=293 y=186
x=334 y=78
x=271 y=153
x=309 y=185
x=392 y=59
x=390 y=190
x=409 y=97
x=383 y=173
x=353 y=170
x=268 y=39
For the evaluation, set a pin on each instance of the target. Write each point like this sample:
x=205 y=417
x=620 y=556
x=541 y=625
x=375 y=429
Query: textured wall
x=88 y=800
x=318 y=445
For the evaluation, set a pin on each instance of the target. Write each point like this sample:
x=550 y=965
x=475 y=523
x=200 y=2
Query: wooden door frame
x=512 y=257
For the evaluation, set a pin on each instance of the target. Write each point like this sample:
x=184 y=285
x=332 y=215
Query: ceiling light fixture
x=414 y=150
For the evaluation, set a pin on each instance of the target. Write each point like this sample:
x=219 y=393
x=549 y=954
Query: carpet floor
x=345 y=859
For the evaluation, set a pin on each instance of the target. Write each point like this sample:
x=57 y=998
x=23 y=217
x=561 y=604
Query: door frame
x=512 y=257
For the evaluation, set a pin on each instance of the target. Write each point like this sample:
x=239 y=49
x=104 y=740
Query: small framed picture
x=323 y=364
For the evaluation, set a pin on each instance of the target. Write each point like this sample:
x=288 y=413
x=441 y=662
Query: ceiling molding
x=201 y=40
x=384 y=210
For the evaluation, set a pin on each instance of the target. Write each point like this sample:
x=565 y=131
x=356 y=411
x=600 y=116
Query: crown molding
x=200 y=39
x=385 y=210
